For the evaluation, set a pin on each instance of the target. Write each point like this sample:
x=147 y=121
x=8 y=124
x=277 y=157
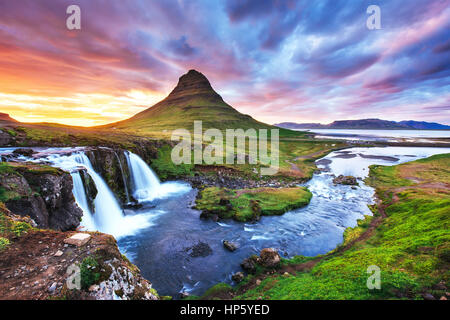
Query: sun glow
x=79 y=109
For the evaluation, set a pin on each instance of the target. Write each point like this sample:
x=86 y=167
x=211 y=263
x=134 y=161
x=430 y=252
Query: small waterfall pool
x=177 y=251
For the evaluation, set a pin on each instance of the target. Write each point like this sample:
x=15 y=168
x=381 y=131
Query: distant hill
x=192 y=99
x=367 y=124
x=6 y=117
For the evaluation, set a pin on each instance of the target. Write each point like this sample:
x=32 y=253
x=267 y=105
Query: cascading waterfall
x=108 y=216
x=81 y=199
x=146 y=185
x=107 y=210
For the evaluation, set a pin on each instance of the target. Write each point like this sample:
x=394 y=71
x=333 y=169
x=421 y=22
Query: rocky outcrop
x=40 y=192
x=346 y=180
x=48 y=269
x=268 y=258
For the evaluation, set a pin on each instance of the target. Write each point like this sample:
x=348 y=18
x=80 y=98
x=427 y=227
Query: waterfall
x=146 y=185
x=108 y=213
x=81 y=199
x=108 y=216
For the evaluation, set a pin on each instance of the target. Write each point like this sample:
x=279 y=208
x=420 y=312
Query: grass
x=250 y=204
x=411 y=245
x=10 y=228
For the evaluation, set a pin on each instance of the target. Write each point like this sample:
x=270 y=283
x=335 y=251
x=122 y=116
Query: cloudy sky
x=278 y=60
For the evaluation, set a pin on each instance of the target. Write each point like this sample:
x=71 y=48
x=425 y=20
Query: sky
x=280 y=60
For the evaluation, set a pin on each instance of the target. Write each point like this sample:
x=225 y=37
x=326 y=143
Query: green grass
x=250 y=204
x=165 y=168
x=10 y=228
x=411 y=246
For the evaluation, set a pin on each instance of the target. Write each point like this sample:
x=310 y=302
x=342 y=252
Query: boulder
x=229 y=245
x=269 y=258
x=24 y=152
x=249 y=264
x=238 y=277
x=345 y=180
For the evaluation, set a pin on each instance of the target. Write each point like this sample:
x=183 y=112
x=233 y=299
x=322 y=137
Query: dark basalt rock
x=249 y=264
x=237 y=277
x=24 y=152
x=201 y=249
x=229 y=245
x=45 y=197
x=346 y=180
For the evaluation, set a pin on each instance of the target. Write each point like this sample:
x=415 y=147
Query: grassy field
x=250 y=204
x=408 y=238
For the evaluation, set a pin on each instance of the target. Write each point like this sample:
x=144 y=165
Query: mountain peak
x=193 y=83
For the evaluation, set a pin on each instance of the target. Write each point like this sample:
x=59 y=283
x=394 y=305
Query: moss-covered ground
x=408 y=238
x=251 y=204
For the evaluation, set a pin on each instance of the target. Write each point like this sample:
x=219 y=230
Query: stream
x=179 y=252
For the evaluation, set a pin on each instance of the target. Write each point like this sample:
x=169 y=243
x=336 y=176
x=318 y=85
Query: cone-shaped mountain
x=192 y=99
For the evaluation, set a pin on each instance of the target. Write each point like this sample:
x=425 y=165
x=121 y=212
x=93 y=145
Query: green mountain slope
x=192 y=99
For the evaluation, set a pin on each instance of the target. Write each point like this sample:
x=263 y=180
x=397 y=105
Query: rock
x=269 y=258
x=249 y=264
x=5 y=138
x=229 y=245
x=238 y=277
x=78 y=239
x=428 y=296
x=201 y=249
x=52 y=288
x=345 y=180
x=23 y=152
x=44 y=195
x=58 y=253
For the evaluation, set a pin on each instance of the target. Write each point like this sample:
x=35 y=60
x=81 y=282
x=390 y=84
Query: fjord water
x=381 y=135
x=177 y=251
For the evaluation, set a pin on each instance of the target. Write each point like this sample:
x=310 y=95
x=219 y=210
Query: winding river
x=179 y=252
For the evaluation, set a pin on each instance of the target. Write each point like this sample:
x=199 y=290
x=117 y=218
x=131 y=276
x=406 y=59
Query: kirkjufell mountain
x=192 y=99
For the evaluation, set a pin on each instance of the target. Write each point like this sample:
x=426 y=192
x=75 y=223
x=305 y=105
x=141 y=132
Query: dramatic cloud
x=278 y=60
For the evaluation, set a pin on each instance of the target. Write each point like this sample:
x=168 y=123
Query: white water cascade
x=108 y=216
x=145 y=183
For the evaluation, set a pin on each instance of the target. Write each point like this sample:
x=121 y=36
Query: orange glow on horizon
x=80 y=109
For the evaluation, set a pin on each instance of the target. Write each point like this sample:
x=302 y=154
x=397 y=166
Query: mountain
x=367 y=124
x=422 y=125
x=192 y=99
x=6 y=117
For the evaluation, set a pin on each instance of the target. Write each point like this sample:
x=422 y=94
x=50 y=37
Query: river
x=177 y=251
